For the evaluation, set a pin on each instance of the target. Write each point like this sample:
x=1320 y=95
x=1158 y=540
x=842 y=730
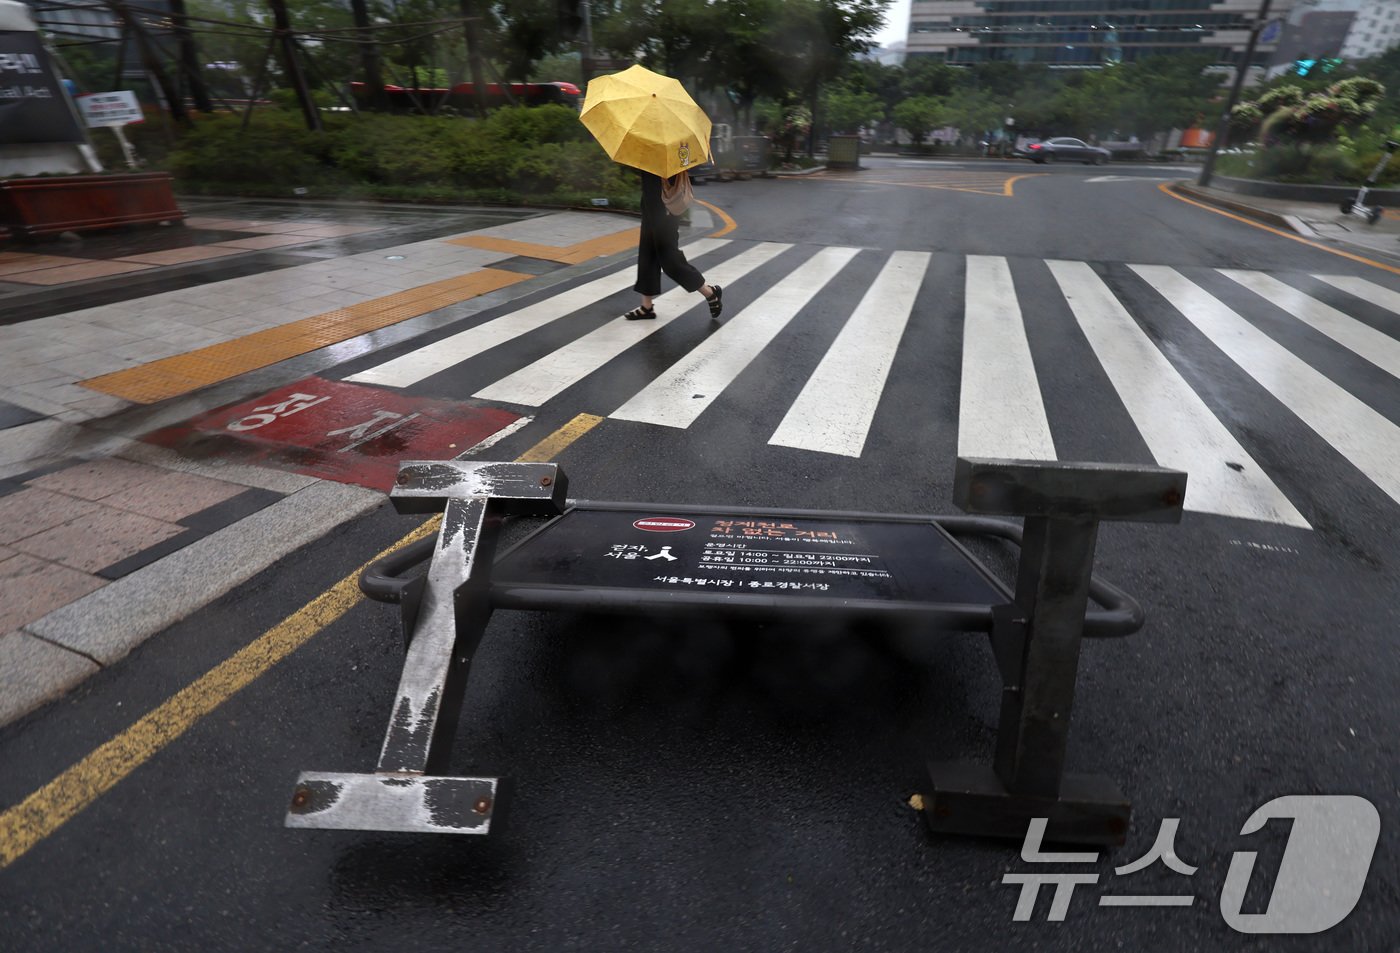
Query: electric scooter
x=1358 y=206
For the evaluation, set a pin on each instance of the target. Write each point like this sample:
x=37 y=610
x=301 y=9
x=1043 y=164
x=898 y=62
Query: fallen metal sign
x=620 y=557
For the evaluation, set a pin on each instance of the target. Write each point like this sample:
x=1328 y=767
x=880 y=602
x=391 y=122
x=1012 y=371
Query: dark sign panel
x=33 y=107
x=731 y=554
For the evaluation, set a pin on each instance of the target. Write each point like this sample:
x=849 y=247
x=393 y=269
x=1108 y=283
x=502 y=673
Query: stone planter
x=1331 y=194
x=37 y=207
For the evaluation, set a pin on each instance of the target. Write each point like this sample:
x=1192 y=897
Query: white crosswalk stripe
x=1365 y=290
x=1154 y=381
x=681 y=394
x=561 y=369
x=1363 y=436
x=834 y=411
x=1357 y=336
x=435 y=358
x=1001 y=412
x=1174 y=421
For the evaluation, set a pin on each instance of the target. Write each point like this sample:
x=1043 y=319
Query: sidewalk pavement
x=1313 y=220
x=107 y=539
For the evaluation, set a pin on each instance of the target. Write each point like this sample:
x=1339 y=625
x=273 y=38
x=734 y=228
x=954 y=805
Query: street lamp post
x=1222 y=128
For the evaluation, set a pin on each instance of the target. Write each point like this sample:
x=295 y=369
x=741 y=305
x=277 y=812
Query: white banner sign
x=118 y=108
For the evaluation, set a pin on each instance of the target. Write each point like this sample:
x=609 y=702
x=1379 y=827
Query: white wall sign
x=118 y=108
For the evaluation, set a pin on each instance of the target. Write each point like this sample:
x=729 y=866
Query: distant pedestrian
x=658 y=250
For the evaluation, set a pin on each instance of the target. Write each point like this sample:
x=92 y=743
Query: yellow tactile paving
x=567 y=254
x=188 y=372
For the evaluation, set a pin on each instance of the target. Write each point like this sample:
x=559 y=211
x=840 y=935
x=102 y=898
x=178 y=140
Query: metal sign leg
x=1036 y=642
x=447 y=622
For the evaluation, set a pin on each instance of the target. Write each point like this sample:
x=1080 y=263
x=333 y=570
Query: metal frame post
x=1036 y=643
x=445 y=618
x=1052 y=592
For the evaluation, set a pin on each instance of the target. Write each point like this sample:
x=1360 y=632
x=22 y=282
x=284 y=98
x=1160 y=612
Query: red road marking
x=337 y=431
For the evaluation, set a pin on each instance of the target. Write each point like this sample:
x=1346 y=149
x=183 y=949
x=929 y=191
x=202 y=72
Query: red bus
x=463 y=99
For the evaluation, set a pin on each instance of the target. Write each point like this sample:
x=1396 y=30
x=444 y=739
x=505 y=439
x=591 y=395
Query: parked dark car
x=1065 y=149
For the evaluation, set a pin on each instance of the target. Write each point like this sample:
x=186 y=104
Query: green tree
x=526 y=31
x=847 y=110
x=925 y=76
x=975 y=112
x=674 y=37
x=919 y=116
x=743 y=63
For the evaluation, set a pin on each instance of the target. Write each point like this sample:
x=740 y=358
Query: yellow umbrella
x=646 y=121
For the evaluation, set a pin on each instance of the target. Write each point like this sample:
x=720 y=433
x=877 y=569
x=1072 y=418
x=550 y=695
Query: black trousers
x=660 y=246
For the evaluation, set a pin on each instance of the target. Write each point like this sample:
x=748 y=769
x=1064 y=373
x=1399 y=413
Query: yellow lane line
x=1017 y=178
x=729 y=223
x=183 y=373
x=568 y=254
x=47 y=809
x=1166 y=187
x=551 y=446
x=993 y=185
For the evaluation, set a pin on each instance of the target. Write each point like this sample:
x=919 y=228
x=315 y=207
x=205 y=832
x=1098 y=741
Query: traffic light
x=1329 y=63
x=1304 y=67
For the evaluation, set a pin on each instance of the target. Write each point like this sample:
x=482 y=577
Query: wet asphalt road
x=697 y=786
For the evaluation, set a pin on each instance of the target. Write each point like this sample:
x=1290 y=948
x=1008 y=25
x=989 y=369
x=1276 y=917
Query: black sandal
x=640 y=314
x=716 y=305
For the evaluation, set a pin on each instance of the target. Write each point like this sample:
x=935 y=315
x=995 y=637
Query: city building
x=1079 y=34
x=1375 y=29
x=1320 y=35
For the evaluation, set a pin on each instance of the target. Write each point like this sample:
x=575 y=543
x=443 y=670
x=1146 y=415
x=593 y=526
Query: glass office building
x=1086 y=33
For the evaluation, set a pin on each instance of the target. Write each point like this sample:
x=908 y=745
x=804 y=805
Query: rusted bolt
x=482 y=805
x=546 y=481
x=403 y=479
x=301 y=796
x=1172 y=497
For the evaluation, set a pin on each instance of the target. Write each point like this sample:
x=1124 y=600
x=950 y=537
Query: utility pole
x=1222 y=128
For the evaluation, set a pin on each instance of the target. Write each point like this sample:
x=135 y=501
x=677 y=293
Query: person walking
x=659 y=250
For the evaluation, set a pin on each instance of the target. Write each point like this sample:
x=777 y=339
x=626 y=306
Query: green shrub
x=574 y=166
x=541 y=154
x=1365 y=149
x=275 y=148
x=406 y=150
x=535 y=124
x=1302 y=163
x=1281 y=98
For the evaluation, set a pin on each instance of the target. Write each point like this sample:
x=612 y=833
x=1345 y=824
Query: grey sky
x=896 y=23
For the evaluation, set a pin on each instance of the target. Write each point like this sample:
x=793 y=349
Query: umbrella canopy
x=647 y=121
